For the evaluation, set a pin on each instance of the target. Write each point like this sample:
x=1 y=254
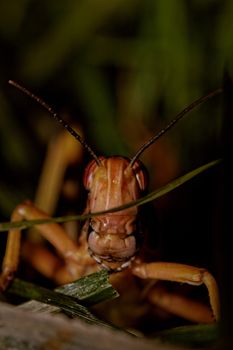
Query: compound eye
x=141 y=175
x=89 y=172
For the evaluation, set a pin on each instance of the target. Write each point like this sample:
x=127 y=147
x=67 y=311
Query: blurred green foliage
x=121 y=69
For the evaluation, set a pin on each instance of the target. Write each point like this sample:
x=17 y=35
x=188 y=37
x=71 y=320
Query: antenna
x=178 y=117
x=58 y=118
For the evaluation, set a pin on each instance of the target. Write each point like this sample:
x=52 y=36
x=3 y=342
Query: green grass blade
x=71 y=298
x=176 y=183
x=196 y=335
x=150 y=197
x=91 y=289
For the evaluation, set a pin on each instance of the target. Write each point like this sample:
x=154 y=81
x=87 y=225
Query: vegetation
x=119 y=70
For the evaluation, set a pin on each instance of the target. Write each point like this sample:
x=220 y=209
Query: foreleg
x=76 y=257
x=183 y=274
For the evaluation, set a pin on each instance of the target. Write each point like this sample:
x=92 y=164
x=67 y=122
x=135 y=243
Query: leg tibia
x=180 y=273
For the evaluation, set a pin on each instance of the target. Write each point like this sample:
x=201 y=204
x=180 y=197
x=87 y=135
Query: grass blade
x=150 y=197
x=196 y=335
x=71 y=298
x=91 y=289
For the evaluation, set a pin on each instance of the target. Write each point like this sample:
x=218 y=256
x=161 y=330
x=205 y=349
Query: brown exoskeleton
x=111 y=241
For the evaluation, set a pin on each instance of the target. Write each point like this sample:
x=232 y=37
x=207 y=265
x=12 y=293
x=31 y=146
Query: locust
x=114 y=241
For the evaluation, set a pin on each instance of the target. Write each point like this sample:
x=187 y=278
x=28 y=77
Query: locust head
x=113 y=236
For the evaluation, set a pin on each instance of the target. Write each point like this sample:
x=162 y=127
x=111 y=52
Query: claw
x=6 y=277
